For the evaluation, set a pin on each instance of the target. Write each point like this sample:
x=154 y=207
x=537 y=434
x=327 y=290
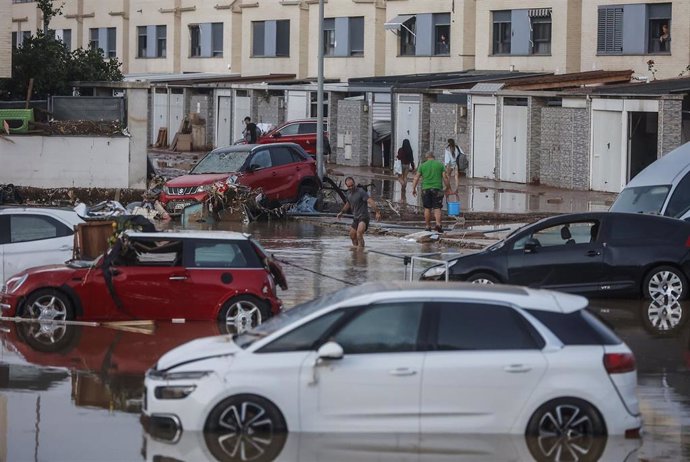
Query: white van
x=663 y=188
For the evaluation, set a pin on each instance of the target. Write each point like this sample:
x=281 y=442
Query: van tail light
x=619 y=363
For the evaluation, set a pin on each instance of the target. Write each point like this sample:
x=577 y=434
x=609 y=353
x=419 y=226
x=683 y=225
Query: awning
x=397 y=22
x=539 y=12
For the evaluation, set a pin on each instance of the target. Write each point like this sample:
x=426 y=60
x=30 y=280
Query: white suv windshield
x=221 y=162
x=642 y=199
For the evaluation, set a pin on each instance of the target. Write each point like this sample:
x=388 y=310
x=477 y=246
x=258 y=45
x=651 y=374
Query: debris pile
x=79 y=127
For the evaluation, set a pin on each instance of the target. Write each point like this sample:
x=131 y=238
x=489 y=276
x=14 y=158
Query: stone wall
x=353 y=131
x=203 y=104
x=564 y=155
x=535 y=106
x=670 y=125
x=446 y=122
x=266 y=107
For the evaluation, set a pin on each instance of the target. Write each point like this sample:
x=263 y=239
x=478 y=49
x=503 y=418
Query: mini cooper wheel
x=482 y=278
x=566 y=429
x=665 y=283
x=242 y=313
x=245 y=428
x=48 y=305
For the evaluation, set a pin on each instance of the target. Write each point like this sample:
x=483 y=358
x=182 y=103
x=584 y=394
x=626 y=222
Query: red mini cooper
x=197 y=275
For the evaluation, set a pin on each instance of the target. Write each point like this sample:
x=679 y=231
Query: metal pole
x=319 y=100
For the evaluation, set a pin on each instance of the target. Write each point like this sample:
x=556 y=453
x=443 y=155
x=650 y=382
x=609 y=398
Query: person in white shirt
x=451 y=161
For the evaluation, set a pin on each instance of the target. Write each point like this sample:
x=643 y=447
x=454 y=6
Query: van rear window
x=577 y=328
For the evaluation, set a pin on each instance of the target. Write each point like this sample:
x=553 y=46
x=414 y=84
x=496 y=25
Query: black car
x=598 y=254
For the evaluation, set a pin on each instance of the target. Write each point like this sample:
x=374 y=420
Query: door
x=224 y=130
x=607 y=165
x=284 y=173
x=514 y=144
x=485 y=366
x=241 y=110
x=176 y=114
x=35 y=240
x=160 y=113
x=569 y=257
x=376 y=386
x=643 y=135
x=407 y=124
x=483 y=160
x=297 y=103
x=261 y=174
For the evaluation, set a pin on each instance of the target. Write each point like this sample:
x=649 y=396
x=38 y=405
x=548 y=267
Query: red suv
x=197 y=275
x=302 y=132
x=283 y=171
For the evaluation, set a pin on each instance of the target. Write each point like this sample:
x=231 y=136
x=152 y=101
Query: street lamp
x=319 y=100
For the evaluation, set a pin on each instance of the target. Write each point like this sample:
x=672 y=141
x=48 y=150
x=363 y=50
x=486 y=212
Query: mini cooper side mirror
x=330 y=351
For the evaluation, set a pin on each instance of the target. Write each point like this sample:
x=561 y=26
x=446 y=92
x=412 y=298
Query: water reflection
x=296 y=447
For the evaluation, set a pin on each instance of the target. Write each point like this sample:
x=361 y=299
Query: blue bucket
x=453 y=207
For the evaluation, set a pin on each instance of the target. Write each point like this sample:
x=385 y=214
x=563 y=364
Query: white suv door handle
x=402 y=371
x=517 y=368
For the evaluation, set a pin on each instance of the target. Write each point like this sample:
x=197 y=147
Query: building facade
x=5 y=39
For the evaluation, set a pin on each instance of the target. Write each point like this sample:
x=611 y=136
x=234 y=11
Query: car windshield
x=642 y=199
x=292 y=315
x=221 y=162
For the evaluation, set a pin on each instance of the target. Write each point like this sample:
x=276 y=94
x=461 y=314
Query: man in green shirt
x=434 y=181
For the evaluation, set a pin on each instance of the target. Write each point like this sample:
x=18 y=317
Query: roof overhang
x=398 y=22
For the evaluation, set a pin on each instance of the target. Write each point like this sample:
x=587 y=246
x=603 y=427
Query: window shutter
x=618 y=30
x=610 y=30
x=258 y=38
x=601 y=31
x=205 y=39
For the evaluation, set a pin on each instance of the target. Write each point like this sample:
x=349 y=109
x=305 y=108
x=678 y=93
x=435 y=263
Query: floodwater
x=73 y=393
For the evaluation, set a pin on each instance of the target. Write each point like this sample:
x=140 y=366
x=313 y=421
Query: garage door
x=514 y=144
x=407 y=123
x=607 y=165
x=483 y=140
x=160 y=113
x=176 y=114
x=224 y=129
x=242 y=110
x=297 y=105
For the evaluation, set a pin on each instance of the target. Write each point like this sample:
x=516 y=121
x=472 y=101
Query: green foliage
x=49 y=12
x=46 y=59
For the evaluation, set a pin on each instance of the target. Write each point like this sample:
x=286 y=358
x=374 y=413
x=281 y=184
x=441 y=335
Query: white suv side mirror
x=329 y=351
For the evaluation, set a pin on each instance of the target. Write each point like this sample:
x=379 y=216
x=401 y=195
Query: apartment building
x=5 y=39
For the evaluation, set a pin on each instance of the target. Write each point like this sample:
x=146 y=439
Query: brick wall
x=670 y=121
x=535 y=106
x=353 y=128
x=565 y=147
x=445 y=122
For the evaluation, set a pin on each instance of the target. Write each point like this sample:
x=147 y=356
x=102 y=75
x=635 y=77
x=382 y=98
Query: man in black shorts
x=359 y=202
x=434 y=181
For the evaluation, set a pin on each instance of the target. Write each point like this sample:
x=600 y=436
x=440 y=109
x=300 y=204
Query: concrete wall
x=351 y=142
x=667 y=66
x=68 y=161
x=565 y=134
x=564 y=55
x=5 y=40
x=137 y=124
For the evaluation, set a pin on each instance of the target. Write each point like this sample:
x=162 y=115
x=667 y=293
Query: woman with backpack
x=454 y=159
x=406 y=158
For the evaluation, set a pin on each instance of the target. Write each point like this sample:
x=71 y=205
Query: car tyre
x=566 y=429
x=666 y=283
x=242 y=313
x=482 y=278
x=245 y=428
x=48 y=305
x=663 y=318
x=49 y=337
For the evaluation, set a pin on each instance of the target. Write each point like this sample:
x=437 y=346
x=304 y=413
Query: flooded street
x=74 y=393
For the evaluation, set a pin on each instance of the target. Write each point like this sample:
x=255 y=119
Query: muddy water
x=74 y=393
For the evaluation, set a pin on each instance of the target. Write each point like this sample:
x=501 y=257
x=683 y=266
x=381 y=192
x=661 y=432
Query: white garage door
x=514 y=144
x=242 y=110
x=483 y=140
x=407 y=123
x=176 y=114
x=297 y=105
x=160 y=113
x=224 y=129
x=607 y=157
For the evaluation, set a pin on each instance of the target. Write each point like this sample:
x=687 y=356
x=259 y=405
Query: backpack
x=461 y=160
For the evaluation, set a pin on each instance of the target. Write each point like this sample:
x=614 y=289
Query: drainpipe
x=319 y=100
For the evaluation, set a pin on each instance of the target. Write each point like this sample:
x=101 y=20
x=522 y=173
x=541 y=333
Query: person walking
x=250 y=131
x=358 y=201
x=406 y=158
x=434 y=181
x=451 y=156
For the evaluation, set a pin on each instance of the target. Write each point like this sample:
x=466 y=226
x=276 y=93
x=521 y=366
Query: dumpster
x=17 y=119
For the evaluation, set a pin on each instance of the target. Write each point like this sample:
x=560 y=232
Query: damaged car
x=198 y=275
x=283 y=172
x=594 y=254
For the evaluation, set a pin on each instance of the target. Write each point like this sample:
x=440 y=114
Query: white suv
x=405 y=357
x=35 y=236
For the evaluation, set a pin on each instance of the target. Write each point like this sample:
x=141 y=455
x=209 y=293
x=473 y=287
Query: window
x=610 y=30
x=93 y=39
x=470 y=326
x=18 y=38
x=305 y=337
x=150 y=253
x=356 y=35
x=161 y=41
x=25 y=228
x=313 y=107
x=408 y=37
x=111 y=42
x=281 y=156
x=501 y=32
x=206 y=40
x=218 y=255
x=659 y=28
x=385 y=328
x=329 y=37
x=642 y=229
x=289 y=130
x=105 y=40
x=271 y=38
x=141 y=42
x=563 y=234
x=65 y=35
x=578 y=328
x=541 y=35
x=441 y=34
x=634 y=29
x=261 y=159
x=643 y=199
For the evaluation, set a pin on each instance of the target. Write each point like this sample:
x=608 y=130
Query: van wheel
x=242 y=313
x=665 y=283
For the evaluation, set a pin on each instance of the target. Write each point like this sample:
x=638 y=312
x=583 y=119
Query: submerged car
x=199 y=275
x=283 y=171
x=403 y=358
x=597 y=254
x=31 y=236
